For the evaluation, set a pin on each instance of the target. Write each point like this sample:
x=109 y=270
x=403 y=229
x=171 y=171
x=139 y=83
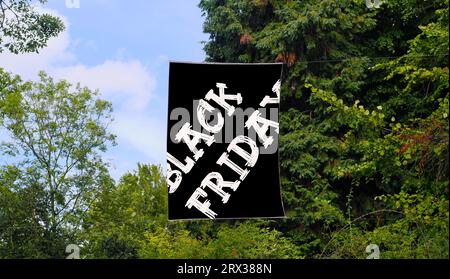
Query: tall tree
x=129 y=220
x=57 y=133
x=351 y=113
x=116 y=223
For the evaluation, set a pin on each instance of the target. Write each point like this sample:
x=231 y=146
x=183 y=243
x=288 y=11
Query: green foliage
x=57 y=134
x=417 y=230
x=23 y=29
x=123 y=214
x=248 y=241
x=130 y=220
x=172 y=244
x=353 y=127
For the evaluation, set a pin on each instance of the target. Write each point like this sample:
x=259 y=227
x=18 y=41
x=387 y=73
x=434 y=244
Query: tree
x=248 y=240
x=23 y=29
x=116 y=223
x=57 y=135
x=360 y=131
x=410 y=149
x=129 y=220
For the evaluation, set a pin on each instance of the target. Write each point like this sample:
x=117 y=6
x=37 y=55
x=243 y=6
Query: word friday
x=214 y=180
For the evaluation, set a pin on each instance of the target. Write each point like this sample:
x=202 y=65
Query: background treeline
x=363 y=145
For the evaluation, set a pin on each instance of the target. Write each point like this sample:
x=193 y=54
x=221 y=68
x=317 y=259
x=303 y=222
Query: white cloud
x=146 y=133
x=118 y=79
x=127 y=83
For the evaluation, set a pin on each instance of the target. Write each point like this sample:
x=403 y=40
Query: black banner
x=222 y=143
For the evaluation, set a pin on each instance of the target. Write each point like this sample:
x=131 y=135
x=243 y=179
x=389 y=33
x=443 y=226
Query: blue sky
x=122 y=49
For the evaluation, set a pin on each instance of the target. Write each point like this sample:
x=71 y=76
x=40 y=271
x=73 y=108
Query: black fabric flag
x=222 y=143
